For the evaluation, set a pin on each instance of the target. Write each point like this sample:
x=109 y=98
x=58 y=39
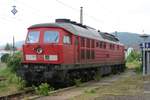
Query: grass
x=126 y=86
x=12 y=82
x=133 y=65
x=131 y=85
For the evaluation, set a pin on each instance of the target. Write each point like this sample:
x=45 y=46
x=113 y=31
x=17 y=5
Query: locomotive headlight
x=30 y=57
x=51 y=57
x=39 y=50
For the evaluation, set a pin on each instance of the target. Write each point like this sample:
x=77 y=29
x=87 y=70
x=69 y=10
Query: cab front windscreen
x=33 y=37
x=51 y=37
x=48 y=37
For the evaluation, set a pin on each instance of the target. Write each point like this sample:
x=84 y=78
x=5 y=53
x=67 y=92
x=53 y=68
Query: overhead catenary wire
x=9 y=20
x=78 y=10
x=14 y=19
x=34 y=10
x=18 y=18
x=68 y=6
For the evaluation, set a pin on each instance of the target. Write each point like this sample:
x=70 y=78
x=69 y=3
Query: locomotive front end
x=41 y=54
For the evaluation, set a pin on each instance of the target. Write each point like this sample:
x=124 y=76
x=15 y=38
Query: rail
x=17 y=95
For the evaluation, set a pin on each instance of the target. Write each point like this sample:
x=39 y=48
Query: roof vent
x=62 y=20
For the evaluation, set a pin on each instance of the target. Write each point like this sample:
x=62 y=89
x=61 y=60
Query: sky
x=104 y=15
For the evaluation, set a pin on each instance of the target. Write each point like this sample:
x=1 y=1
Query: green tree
x=7 y=47
x=10 y=47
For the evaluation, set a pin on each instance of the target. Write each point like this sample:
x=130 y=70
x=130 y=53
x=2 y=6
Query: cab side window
x=66 y=39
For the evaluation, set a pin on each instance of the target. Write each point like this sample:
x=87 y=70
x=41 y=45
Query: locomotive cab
x=43 y=45
x=44 y=52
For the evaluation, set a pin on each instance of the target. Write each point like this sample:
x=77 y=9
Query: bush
x=14 y=61
x=43 y=89
x=4 y=58
x=11 y=83
x=21 y=83
x=14 y=79
x=77 y=82
x=11 y=79
x=133 y=62
x=134 y=56
x=97 y=76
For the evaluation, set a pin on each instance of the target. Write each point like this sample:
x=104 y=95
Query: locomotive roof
x=76 y=30
x=83 y=31
x=108 y=36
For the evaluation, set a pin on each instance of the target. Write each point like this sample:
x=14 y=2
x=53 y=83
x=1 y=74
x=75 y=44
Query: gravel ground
x=144 y=96
x=67 y=95
x=138 y=97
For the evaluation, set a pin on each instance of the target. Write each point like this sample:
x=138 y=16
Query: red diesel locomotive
x=66 y=50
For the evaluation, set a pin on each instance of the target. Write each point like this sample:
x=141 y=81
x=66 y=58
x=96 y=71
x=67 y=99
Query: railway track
x=55 y=92
x=18 y=95
x=29 y=93
x=68 y=93
x=60 y=90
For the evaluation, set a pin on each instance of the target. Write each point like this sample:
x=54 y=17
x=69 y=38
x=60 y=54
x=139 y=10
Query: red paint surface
x=71 y=54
